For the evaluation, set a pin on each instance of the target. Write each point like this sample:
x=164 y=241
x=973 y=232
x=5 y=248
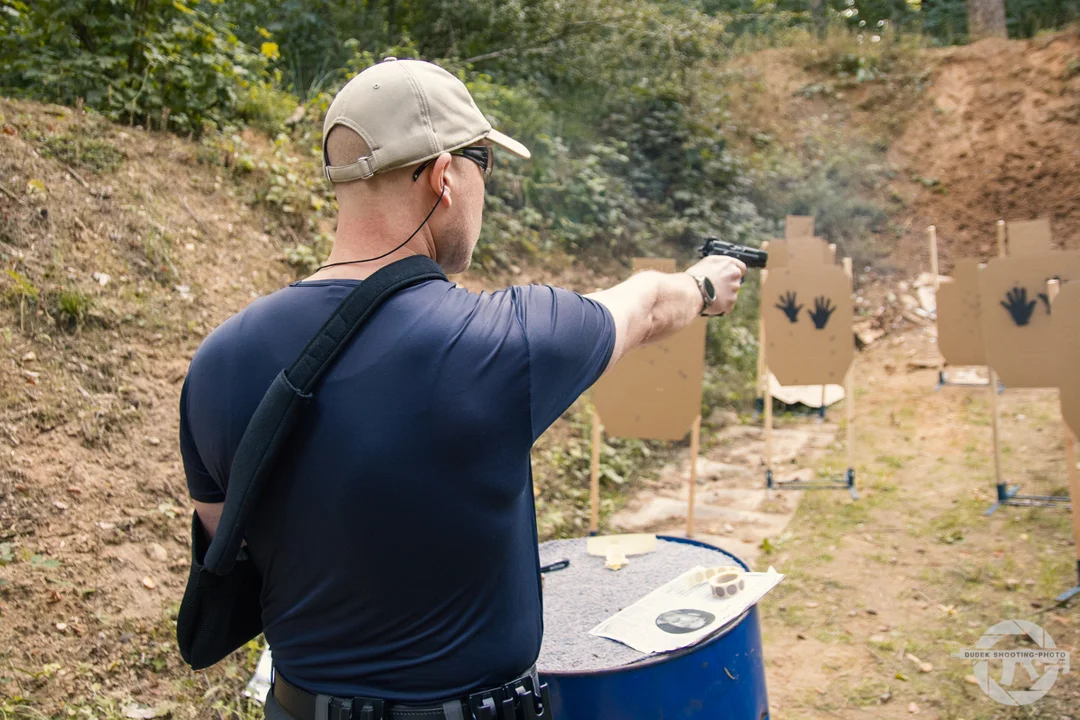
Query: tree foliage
x=133 y=59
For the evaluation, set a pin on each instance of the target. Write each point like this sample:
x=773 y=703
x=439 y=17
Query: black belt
x=523 y=699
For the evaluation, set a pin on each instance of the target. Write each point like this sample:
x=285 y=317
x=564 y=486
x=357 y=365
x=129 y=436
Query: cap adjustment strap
x=359 y=170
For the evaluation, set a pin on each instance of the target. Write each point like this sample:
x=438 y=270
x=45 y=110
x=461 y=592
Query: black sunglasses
x=479 y=154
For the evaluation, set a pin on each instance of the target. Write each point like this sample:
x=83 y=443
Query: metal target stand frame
x=1007 y=494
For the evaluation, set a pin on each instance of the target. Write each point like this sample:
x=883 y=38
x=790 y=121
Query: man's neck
x=366 y=241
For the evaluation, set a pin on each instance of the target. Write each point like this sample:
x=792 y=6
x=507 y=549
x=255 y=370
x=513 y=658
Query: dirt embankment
x=956 y=138
x=997 y=137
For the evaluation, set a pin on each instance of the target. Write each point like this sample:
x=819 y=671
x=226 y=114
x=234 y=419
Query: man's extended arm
x=652 y=305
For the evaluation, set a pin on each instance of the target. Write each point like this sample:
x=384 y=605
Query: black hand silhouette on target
x=823 y=310
x=1018 y=305
x=788 y=306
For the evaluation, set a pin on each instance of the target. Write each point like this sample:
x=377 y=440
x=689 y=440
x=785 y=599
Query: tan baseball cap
x=407 y=111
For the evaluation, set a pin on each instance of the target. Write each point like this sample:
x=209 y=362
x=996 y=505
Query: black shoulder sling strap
x=221 y=608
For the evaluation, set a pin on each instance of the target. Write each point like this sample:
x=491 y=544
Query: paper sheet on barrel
x=682 y=612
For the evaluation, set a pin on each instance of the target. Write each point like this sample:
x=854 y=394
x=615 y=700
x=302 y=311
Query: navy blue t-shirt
x=397 y=535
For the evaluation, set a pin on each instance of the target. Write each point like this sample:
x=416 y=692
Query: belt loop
x=452 y=710
x=322 y=707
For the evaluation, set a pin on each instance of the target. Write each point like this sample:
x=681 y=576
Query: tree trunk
x=986 y=18
x=819 y=17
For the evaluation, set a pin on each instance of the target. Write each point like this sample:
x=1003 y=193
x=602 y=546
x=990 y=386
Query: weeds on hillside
x=94 y=154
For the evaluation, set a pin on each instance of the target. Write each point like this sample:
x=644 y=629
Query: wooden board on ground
x=654 y=392
x=809 y=395
x=959 y=325
x=797 y=226
x=807 y=314
x=1019 y=339
x=1029 y=237
x=1065 y=326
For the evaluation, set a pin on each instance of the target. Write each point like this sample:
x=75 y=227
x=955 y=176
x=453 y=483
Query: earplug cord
x=393 y=250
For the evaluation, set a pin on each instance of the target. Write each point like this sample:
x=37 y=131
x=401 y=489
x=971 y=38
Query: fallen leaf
x=34 y=185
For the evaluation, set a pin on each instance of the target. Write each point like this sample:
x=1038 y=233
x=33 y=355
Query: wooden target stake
x=849 y=401
x=766 y=392
x=594 y=475
x=932 y=235
x=762 y=370
x=695 y=447
x=993 y=384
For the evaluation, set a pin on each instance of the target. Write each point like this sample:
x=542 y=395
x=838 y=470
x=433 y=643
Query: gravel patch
x=580 y=597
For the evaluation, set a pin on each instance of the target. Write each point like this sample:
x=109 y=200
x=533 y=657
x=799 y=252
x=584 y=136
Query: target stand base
x=1010 y=495
x=1071 y=592
x=846 y=483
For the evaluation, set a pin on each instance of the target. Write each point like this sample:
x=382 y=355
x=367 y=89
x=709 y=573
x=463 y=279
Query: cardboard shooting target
x=959 y=324
x=1065 y=325
x=809 y=251
x=1019 y=339
x=807 y=314
x=799 y=251
x=798 y=226
x=1028 y=237
x=778 y=254
x=654 y=392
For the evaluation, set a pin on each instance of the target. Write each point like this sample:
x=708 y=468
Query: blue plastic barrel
x=722 y=677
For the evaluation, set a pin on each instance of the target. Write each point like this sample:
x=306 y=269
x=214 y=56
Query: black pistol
x=751 y=257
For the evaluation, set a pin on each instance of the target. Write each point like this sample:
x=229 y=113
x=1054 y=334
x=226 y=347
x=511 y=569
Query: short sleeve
x=570 y=340
x=201 y=484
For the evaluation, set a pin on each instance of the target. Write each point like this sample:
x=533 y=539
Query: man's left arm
x=206 y=495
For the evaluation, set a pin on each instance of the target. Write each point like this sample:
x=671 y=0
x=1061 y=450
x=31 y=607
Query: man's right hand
x=726 y=274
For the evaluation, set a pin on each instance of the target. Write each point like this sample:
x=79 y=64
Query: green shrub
x=166 y=62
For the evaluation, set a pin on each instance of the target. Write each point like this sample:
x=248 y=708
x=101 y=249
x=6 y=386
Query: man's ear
x=440 y=177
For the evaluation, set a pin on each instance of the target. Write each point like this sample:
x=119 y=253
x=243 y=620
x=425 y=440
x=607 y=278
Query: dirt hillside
x=960 y=137
x=998 y=138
